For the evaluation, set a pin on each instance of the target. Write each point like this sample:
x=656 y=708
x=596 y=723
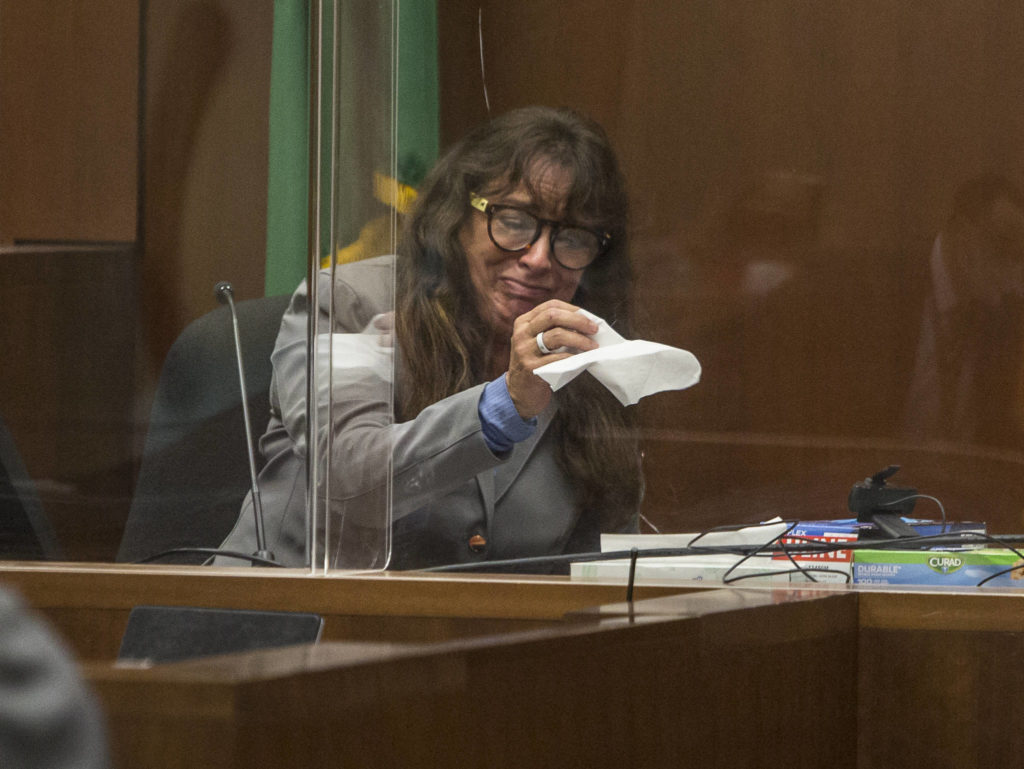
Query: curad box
x=935 y=567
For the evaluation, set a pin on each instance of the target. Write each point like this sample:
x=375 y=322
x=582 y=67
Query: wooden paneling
x=357 y=607
x=700 y=480
x=69 y=109
x=855 y=677
x=68 y=116
x=205 y=197
x=709 y=686
x=790 y=164
x=86 y=325
x=934 y=674
x=67 y=392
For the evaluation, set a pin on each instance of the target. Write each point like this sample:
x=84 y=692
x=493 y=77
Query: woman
x=518 y=226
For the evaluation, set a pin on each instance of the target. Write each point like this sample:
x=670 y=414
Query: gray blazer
x=453 y=500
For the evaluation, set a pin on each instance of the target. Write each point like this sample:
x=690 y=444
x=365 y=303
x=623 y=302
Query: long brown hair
x=443 y=338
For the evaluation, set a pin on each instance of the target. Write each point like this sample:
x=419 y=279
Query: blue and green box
x=934 y=567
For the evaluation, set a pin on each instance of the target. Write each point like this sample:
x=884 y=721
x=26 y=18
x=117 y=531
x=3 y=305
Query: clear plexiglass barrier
x=402 y=205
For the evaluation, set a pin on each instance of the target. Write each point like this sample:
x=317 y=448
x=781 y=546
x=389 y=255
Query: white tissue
x=631 y=370
x=370 y=353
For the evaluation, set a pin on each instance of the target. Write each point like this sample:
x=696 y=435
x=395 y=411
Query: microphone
x=225 y=295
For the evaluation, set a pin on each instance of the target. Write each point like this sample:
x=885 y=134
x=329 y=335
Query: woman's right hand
x=565 y=331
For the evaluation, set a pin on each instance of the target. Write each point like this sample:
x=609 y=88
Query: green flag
x=417 y=122
x=288 y=151
x=418 y=111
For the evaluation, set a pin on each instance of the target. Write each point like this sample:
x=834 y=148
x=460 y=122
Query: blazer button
x=477 y=543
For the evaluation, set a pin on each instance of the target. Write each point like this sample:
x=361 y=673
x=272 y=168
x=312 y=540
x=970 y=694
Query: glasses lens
x=513 y=229
x=576 y=248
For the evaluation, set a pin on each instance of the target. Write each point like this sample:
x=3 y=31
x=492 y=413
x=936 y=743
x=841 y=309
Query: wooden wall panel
x=69 y=79
x=790 y=164
x=66 y=396
x=702 y=480
x=68 y=108
x=205 y=198
x=87 y=332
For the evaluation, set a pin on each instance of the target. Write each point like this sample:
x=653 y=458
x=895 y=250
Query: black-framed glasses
x=513 y=229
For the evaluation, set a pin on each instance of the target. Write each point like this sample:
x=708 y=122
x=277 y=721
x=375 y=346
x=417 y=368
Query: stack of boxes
x=967 y=566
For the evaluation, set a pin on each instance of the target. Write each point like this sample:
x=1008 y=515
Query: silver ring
x=541 y=346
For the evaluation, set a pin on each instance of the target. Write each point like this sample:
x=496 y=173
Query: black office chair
x=195 y=466
x=25 y=531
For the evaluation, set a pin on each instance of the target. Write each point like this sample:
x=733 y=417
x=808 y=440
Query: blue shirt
x=501 y=423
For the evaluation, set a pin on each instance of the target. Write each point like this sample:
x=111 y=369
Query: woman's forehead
x=545 y=187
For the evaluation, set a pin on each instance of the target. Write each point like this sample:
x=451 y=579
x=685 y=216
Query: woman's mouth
x=525 y=292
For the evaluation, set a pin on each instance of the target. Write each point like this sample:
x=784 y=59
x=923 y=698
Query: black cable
x=936 y=500
x=1019 y=566
x=809 y=573
x=1002 y=544
x=798 y=568
x=211 y=552
x=633 y=553
x=1009 y=570
x=922 y=542
x=727 y=578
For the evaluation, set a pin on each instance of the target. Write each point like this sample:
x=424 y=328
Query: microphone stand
x=225 y=295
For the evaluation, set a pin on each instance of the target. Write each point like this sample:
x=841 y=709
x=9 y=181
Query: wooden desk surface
x=89 y=603
x=430 y=671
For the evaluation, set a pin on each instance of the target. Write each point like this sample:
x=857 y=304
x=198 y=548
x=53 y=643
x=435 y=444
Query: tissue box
x=937 y=567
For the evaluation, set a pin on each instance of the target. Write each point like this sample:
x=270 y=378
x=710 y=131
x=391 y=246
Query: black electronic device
x=874 y=501
x=156 y=634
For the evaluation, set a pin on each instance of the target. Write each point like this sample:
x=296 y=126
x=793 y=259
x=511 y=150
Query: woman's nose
x=538 y=256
